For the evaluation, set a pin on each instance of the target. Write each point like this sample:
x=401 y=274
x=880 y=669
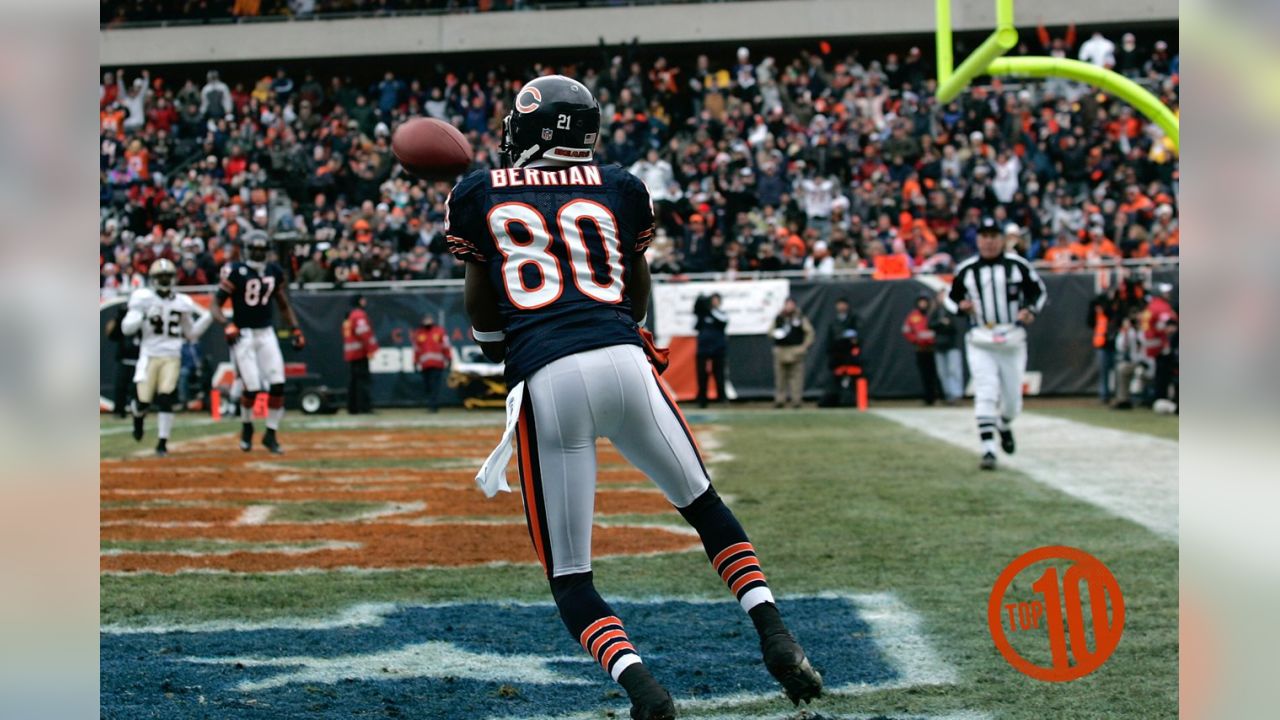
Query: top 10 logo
x=1074 y=611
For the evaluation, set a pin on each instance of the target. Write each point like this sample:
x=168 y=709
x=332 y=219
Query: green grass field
x=833 y=501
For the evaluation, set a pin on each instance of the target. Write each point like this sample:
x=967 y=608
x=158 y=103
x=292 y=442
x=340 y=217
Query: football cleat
x=1006 y=442
x=988 y=461
x=787 y=663
x=162 y=448
x=270 y=443
x=137 y=428
x=246 y=437
x=649 y=700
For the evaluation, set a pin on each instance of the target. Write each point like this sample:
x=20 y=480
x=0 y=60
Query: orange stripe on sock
x=744 y=562
x=526 y=487
x=731 y=550
x=602 y=622
x=617 y=648
x=604 y=638
x=749 y=577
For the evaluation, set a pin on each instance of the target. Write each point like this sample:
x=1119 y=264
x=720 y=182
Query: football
x=431 y=149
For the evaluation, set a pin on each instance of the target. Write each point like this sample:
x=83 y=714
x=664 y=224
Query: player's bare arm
x=639 y=286
x=482 y=307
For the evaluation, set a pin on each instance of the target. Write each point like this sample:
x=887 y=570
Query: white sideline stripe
x=255 y=515
x=1131 y=475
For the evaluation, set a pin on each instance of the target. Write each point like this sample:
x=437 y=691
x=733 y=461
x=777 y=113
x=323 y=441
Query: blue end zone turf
x=468 y=661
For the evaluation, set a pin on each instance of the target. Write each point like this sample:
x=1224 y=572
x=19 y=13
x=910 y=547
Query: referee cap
x=988 y=225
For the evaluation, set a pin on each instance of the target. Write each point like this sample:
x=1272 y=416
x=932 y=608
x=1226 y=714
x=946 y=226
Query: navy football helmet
x=554 y=117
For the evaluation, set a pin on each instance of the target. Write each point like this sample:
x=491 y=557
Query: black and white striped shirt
x=998 y=288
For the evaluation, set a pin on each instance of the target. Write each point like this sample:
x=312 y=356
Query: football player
x=253 y=286
x=556 y=286
x=165 y=318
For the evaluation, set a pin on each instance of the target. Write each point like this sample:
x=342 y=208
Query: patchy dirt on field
x=377 y=499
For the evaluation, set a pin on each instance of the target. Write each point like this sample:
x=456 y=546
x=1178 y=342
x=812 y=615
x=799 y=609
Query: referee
x=1002 y=294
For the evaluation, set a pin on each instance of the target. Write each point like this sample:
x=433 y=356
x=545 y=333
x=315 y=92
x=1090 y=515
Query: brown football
x=431 y=149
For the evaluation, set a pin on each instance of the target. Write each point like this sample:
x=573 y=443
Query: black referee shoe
x=1006 y=442
x=988 y=461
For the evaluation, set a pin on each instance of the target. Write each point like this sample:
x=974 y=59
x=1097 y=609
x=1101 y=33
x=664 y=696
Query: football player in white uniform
x=165 y=318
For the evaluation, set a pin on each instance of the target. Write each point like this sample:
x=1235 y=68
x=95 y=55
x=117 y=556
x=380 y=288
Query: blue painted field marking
x=478 y=660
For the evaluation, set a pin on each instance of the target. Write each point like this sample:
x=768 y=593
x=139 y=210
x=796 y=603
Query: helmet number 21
x=562 y=122
x=536 y=251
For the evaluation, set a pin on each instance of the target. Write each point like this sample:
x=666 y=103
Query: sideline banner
x=750 y=305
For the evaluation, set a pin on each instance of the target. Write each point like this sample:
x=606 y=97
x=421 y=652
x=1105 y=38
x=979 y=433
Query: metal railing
x=1164 y=263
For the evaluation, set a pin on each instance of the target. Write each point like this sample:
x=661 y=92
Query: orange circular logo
x=1054 y=614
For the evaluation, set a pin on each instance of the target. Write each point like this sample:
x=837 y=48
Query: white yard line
x=255 y=515
x=1132 y=475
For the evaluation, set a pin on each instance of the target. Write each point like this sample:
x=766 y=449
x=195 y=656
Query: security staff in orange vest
x=1104 y=316
x=432 y=353
x=358 y=346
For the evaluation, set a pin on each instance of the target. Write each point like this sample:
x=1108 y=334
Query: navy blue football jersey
x=558 y=245
x=251 y=292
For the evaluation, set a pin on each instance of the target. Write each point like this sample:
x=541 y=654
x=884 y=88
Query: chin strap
x=524 y=157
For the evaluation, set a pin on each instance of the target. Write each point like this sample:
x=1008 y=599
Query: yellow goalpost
x=989 y=59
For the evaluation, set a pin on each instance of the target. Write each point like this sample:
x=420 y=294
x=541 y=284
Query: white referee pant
x=610 y=392
x=997 y=369
x=258 y=360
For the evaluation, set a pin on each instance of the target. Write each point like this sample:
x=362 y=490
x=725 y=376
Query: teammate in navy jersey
x=557 y=286
x=253 y=287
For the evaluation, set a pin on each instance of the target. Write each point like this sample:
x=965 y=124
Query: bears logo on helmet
x=534 y=99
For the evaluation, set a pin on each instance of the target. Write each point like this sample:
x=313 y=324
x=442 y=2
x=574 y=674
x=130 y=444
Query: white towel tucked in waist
x=492 y=477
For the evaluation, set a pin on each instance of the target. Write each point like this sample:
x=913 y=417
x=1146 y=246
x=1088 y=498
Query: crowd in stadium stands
x=816 y=162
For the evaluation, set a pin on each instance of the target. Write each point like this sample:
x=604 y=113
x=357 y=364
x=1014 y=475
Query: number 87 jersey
x=558 y=245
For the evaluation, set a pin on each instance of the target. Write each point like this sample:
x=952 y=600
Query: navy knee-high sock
x=593 y=623
x=728 y=549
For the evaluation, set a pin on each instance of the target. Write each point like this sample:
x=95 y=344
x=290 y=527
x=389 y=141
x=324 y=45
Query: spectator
x=844 y=357
x=1129 y=357
x=1098 y=50
x=314 y=270
x=1160 y=326
x=917 y=332
x=190 y=272
x=948 y=329
x=215 y=97
x=127 y=349
x=1128 y=59
x=792 y=336
x=358 y=347
x=433 y=354
x=710 y=322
